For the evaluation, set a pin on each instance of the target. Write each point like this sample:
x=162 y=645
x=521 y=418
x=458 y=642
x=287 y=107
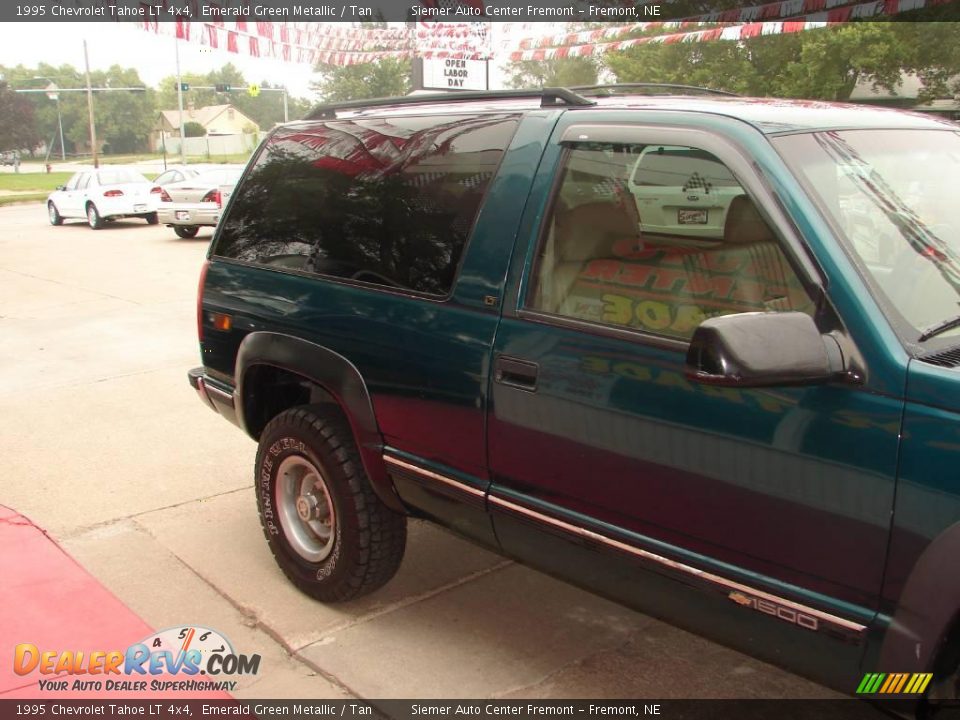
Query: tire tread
x=383 y=532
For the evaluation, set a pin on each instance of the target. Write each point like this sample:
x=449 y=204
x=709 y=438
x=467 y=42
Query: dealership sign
x=454 y=74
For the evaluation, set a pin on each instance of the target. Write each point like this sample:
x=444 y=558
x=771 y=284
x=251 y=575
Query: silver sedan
x=190 y=204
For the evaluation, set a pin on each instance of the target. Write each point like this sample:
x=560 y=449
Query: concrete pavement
x=105 y=445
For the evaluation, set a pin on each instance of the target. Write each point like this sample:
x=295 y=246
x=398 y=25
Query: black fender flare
x=927 y=607
x=335 y=374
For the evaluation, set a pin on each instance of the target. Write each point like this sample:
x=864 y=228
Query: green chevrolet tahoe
x=696 y=352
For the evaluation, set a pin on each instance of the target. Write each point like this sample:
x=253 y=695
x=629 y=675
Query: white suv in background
x=682 y=191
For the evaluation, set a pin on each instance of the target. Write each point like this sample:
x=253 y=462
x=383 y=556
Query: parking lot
x=105 y=445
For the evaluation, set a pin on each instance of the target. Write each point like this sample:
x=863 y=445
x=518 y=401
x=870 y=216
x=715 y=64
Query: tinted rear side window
x=389 y=201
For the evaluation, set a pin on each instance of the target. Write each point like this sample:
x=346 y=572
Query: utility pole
x=63 y=148
x=93 y=126
x=183 y=150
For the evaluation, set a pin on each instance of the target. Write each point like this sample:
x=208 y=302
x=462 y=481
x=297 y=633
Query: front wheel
x=328 y=531
x=93 y=217
x=54 y=214
x=186 y=231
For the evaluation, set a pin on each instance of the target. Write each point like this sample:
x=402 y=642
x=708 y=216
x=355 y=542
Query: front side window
x=657 y=238
x=891 y=194
x=75 y=181
x=388 y=201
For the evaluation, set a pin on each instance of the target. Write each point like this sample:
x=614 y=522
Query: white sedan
x=106 y=194
x=196 y=202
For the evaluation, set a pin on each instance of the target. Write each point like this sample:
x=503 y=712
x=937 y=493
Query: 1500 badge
x=780 y=612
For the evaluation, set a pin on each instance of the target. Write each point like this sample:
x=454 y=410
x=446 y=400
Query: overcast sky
x=152 y=55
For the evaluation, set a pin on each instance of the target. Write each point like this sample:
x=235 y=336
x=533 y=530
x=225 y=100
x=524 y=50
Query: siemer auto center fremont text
x=420 y=11
x=493 y=11
x=437 y=710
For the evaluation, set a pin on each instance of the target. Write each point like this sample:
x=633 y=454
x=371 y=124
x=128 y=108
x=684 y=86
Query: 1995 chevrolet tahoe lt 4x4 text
x=696 y=352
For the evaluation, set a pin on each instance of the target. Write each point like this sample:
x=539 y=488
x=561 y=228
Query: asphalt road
x=105 y=445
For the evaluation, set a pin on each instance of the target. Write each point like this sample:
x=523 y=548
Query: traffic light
x=222 y=87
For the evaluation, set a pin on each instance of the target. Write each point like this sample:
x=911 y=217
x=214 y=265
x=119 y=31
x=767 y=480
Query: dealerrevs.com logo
x=189 y=658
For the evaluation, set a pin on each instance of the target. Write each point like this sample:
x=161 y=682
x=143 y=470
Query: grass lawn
x=172 y=158
x=125 y=159
x=22 y=198
x=240 y=158
x=33 y=181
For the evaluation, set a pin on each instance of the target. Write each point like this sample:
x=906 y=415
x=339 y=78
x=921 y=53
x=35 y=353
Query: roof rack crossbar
x=549 y=97
x=595 y=90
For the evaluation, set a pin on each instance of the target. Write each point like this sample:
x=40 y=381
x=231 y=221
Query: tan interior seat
x=603 y=270
x=744 y=225
x=581 y=234
x=769 y=281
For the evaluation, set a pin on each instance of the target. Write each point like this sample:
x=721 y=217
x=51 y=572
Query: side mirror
x=61 y=187
x=762 y=350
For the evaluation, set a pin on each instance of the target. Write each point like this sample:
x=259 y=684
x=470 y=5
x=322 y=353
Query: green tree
x=200 y=93
x=266 y=110
x=385 y=78
x=932 y=51
x=18 y=128
x=230 y=75
x=44 y=108
x=124 y=118
x=719 y=65
x=167 y=92
x=822 y=64
x=558 y=72
x=299 y=107
x=193 y=129
x=828 y=63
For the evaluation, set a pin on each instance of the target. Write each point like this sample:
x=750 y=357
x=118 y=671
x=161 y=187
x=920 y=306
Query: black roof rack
x=646 y=89
x=549 y=97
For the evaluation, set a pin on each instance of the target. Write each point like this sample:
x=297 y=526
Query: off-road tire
x=368 y=537
x=186 y=231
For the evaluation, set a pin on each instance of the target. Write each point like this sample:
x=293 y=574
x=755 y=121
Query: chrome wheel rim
x=306 y=510
x=92 y=215
x=53 y=212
